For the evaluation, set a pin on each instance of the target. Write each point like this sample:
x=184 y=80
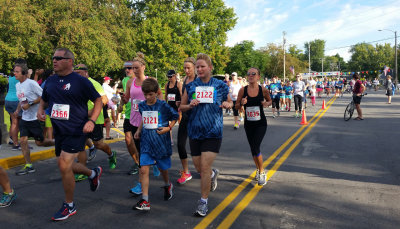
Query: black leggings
x=235 y=111
x=255 y=135
x=297 y=102
x=182 y=136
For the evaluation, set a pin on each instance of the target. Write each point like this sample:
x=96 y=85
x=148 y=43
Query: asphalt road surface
x=328 y=174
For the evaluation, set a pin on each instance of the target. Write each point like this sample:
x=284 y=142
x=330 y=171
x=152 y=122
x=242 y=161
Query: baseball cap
x=107 y=78
x=234 y=74
x=171 y=72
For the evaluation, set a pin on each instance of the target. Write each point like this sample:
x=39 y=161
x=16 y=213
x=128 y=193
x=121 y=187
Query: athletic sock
x=92 y=175
x=112 y=154
x=29 y=165
x=204 y=200
x=212 y=174
x=71 y=204
x=92 y=147
x=146 y=198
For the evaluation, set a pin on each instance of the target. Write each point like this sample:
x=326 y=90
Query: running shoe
x=168 y=194
x=10 y=142
x=279 y=113
x=273 y=116
x=7 y=199
x=28 y=168
x=202 y=209
x=112 y=161
x=214 y=180
x=80 y=177
x=257 y=175
x=156 y=171
x=133 y=170
x=64 y=212
x=263 y=179
x=184 y=177
x=92 y=153
x=137 y=190
x=142 y=205
x=15 y=148
x=241 y=118
x=95 y=182
x=236 y=126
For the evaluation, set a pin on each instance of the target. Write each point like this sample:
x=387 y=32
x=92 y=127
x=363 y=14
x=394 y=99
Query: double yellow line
x=232 y=216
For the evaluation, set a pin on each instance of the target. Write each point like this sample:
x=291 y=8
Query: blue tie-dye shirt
x=206 y=119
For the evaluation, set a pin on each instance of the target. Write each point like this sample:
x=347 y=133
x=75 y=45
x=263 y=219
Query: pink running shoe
x=184 y=177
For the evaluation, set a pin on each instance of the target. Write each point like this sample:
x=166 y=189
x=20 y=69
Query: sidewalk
x=10 y=158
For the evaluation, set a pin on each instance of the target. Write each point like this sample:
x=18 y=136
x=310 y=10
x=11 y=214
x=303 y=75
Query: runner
x=29 y=93
x=288 y=95
x=173 y=93
x=110 y=92
x=389 y=89
x=282 y=96
x=298 y=89
x=255 y=98
x=188 y=67
x=67 y=93
x=97 y=134
x=155 y=141
x=9 y=194
x=204 y=98
x=234 y=88
x=135 y=94
x=129 y=74
x=275 y=88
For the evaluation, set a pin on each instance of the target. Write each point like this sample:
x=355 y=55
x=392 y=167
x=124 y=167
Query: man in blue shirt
x=275 y=90
x=67 y=94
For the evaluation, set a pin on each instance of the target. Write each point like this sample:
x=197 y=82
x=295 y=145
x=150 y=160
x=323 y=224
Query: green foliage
x=317 y=53
x=368 y=57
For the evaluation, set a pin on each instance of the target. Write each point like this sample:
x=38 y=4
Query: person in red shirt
x=359 y=88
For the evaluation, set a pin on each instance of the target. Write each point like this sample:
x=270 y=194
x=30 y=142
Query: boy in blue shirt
x=155 y=140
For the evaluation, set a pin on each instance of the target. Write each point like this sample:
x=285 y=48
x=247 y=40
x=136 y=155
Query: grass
x=6 y=119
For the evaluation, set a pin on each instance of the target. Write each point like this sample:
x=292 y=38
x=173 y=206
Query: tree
x=366 y=57
x=317 y=53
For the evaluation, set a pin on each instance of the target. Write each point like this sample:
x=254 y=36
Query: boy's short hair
x=150 y=85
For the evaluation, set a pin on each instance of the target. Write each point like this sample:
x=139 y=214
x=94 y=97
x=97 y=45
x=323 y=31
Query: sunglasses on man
x=58 y=58
x=251 y=74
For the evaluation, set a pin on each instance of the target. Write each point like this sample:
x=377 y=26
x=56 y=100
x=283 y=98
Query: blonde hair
x=140 y=58
x=205 y=57
x=190 y=60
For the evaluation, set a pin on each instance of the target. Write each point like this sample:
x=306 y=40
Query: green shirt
x=99 y=89
x=127 y=105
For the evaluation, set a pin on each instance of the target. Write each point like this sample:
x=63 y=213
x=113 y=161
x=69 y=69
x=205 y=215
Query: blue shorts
x=11 y=107
x=69 y=143
x=283 y=96
x=163 y=163
x=288 y=96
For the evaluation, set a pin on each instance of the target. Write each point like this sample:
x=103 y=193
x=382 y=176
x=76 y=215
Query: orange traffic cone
x=304 y=118
x=323 y=104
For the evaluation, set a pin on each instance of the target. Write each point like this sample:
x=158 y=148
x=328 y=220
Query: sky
x=340 y=23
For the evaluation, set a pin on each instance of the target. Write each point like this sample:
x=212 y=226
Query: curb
x=15 y=161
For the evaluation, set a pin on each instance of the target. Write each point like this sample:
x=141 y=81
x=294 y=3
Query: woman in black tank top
x=173 y=94
x=255 y=98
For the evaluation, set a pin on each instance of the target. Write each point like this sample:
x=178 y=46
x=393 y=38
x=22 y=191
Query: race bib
x=253 y=113
x=171 y=97
x=150 y=119
x=60 y=111
x=135 y=104
x=205 y=94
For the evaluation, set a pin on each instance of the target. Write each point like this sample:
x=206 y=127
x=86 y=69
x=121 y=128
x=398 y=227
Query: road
x=328 y=174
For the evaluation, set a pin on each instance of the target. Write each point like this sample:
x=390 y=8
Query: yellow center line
x=117 y=130
x=217 y=210
x=228 y=221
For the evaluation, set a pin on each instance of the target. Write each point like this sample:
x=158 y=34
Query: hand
x=137 y=135
x=264 y=103
x=194 y=103
x=39 y=72
x=178 y=103
x=244 y=100
x=163 y=130
x=88 y=128
x=41 y=116
x=226 y=105
x=25 y=106
x=15 y=114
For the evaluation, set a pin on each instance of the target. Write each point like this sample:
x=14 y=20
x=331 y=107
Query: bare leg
x=144 y=177
x=103 y=146
x=25 y=149
x=359 y=112
x=45 y=142
x=108 y=127
x=131 y=147
x=207 y=159
x=259 y=162
x=4 y=181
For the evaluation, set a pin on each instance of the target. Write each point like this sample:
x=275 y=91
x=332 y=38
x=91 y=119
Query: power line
x=370 y=42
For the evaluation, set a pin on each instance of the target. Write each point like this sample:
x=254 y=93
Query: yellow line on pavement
x=228 y=221
x=217 y=210
x=117 y=130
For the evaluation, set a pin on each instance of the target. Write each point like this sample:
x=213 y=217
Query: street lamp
x=395 y=53
x=156 y=74
x=284 y=57
x=322 y=59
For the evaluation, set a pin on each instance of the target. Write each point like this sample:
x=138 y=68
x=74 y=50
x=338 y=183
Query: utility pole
x=322 y=59
x=309 y=60
x=284 y=57
x=395 y=54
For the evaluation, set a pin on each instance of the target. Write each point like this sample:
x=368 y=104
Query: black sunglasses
x=170 y=76
x=251 y=73
x=129 y=68
x=58 y=58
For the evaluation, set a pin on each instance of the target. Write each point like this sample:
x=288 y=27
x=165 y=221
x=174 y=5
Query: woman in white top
x=234 y=88
x=298 y=91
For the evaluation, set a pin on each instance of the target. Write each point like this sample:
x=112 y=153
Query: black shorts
x=128 y=127
x=235 y=111
x=31 y=129
x=209 y=144
x=275 y=102
x=97 y=133
x=69 y=143
x=357 y=99
x=389 y=92
x=105 y=112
